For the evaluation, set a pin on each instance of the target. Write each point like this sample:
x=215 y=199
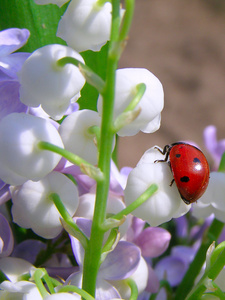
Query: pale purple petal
x=121 y=262
x=28 y=250
x=172 y=269
x=75 y=279
x=135 y=229
x=74 y=106
x=153 y=241
x=181 y=226
x=185 y=253
x=13 y=63
x=9 y=91
x=6 y=236
x=61 y=272
x=153 y=281
x=12 y=39
x=4 y=193
x=106 y=291
x=216 y=148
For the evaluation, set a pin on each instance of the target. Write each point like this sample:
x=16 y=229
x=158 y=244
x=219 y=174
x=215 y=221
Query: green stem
x=195 y=267
x=133 y=288
x=75 y=289
x=85 y=166
x=38 y=274
x=69 y=220
x=92 y=256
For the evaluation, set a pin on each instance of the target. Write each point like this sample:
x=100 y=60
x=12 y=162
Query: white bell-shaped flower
x=151 y=104
x=86 y=25
x=44 y=82
x=213 y=200
x=76 y=135
x=33 y=209
x=23 y=290
x=166 y=203
x=20 y=157
x=57 y=2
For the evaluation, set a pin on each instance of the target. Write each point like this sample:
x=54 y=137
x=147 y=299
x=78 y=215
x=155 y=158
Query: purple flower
x=215 y=148
x=6 y=237
x=153 y=241
x=118 y=265
x=10 y=63
x=174 y=267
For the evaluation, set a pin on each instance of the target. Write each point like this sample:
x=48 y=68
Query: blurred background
x=183 y=43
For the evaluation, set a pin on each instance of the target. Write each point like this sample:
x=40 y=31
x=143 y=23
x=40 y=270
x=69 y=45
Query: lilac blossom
x=6 y=237
x=172 y=268
x=153 y=241
x=10 y=63
x=118 y=264
x=215 y=148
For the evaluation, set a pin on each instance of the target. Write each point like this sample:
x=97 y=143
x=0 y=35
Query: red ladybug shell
x=190 y=170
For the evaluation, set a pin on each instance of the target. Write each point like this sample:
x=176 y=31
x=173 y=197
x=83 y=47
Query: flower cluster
x=66 y=211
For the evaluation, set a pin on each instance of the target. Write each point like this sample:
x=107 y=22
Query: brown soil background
x=183 y=43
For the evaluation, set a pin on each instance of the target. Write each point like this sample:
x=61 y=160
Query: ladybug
x=190 y=170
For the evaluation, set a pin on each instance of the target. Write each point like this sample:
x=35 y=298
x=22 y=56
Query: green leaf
x=41 y=20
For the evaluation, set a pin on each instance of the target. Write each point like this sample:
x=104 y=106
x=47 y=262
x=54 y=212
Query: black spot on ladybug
x=184 y=179
x=178 y=155
x=196 y=160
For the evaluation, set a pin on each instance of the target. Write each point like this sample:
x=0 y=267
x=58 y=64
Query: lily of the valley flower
x=20 y=157
x=86 y=25
x=76 y=135
x=151 y=103
x=166 y=203
x=31 y=203
x=23 y=290
x=50 y=85
x=6 y=237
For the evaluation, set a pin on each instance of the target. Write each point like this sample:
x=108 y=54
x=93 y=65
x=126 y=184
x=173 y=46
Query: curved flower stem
x=196 y=265
x=75 y=289
x=139 y=201
x=85 y=166
x=133 y=289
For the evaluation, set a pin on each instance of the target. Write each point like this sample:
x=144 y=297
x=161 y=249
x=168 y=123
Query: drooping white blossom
x=166 y=203
x=63 y=296
x=57 y=2
x=20 y=157
x=151 y=103
x=86 y=25
x=213 y=200
x=44 y=82
x=76 y=136
x=31 y=203
x=23 y=290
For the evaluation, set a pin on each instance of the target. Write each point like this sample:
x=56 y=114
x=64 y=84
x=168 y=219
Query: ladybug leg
x=172 y=181
x=166 y=150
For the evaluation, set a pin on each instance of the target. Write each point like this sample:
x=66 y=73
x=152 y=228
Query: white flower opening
x=166 y=203
x=86 y=25
x=76 y=137
x=31 y=204
x=20 y=157
x=151 y=103
x=45 y=83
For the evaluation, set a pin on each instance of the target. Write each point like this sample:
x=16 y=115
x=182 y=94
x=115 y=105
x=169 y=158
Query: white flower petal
x=76 y=137
x=85 y=25
x=20 y=157
x=31 y=203
x=166 y=202
x=151 y=103
x=50 y=85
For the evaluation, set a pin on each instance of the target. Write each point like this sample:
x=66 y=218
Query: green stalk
x=93 y=252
